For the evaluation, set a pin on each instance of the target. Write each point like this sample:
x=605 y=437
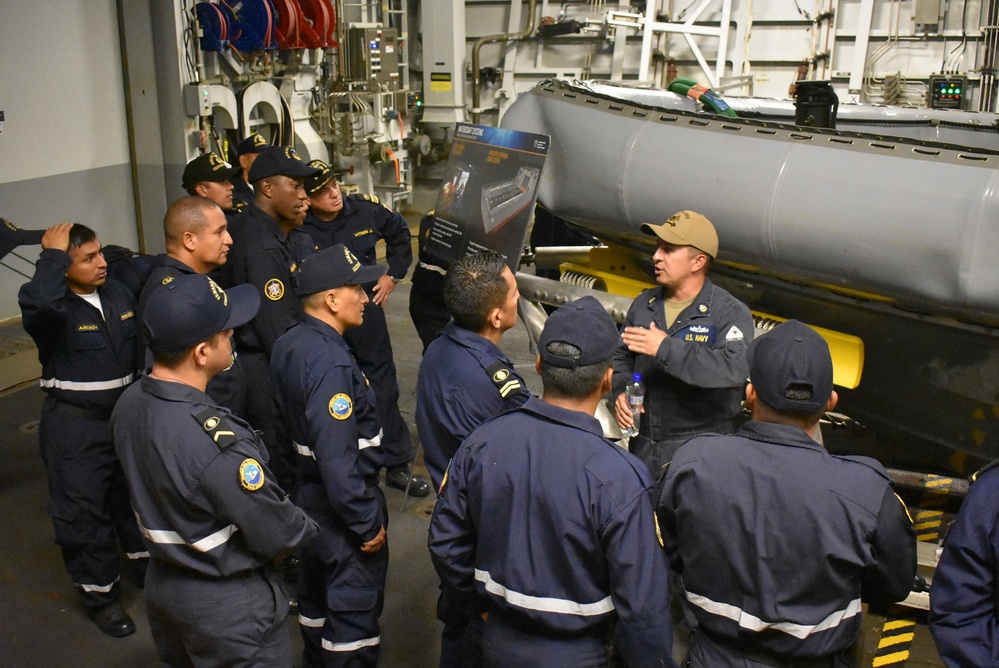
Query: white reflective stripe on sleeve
x=101 y=588
x=137 y=555
x=166 y=537
x=87 y=386
x=433 y=268
x=558 y=605
x=330 y=646
x=303 y=450
x=748 y=621
x=370 y=442
x=311 y=622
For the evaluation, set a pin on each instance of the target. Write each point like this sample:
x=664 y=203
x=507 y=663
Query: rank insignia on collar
x=702 y=308
x=167 y=279
x=274 y=289
x=251 y=475
x=340 y=406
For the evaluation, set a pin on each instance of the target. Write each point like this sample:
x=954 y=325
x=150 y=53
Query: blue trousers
x=505 y=645
x=341 y=592
x=88 y=501
x=204 y=622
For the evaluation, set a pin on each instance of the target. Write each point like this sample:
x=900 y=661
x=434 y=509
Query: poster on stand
x=488 y=193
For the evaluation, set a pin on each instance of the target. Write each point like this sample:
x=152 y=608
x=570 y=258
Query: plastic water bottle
x=635 y=391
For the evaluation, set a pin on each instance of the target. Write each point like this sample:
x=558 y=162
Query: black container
x=815 y=104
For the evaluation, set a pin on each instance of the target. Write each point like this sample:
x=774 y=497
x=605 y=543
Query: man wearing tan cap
x=688 y=339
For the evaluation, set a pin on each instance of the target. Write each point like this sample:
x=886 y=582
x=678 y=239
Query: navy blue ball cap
x=192 y=308
x=334 y=267
x=584 y=324
x=279 y=160
x=314 y=184
x=207 y=167
x=255 y=143
x=791 y=368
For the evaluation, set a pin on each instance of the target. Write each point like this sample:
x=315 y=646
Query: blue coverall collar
x=780 y=434
x=325 y=329
x=569 y=418
x=171 y=391
x=473 y=341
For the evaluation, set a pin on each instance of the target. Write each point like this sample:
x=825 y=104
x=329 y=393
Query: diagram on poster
x=489 y=190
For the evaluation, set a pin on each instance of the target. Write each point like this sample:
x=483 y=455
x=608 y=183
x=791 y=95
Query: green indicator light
x=957 y=90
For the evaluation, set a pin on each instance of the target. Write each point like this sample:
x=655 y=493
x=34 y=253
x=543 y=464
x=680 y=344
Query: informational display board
x=489 y=190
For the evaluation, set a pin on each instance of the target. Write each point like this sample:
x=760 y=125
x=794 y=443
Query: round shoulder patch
x=341 y=407
x=211 y=423
x=251 y=475
x=274 y=289
x=501 y=375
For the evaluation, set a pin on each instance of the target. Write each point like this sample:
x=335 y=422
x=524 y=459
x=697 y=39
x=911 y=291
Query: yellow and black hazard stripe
x=896 y=638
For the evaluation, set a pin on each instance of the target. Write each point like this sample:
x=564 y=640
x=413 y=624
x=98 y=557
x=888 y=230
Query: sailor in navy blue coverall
x=336 y=434
x=267 y=247
x=548 y=527
x=963 y=599
x=464 y=380
x=88 y=345
x=211 y=511
x=359 y=222
x=197 y=242
x=776 y=541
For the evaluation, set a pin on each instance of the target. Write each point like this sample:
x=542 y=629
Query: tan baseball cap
x=687 y=228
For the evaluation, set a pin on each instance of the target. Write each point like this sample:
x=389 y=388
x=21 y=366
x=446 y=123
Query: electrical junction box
x=926 y=13
x=197 y=100
x=947 y=92
x=373 y=55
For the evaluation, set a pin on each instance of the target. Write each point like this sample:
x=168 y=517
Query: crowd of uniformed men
x=226 y=423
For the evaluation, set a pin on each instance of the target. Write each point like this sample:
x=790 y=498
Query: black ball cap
x=791 y=368
x=279 y=160
x=584 y=324
x=255 y=143
x=192 y=308
x=334 y=267
x=314 y=184
x=207 y=167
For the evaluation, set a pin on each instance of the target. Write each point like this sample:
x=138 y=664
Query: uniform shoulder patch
x=274 y=289
x=216 y=426
x=341 y=407
x=734 y=334
x=251 y=475
x=503 y=378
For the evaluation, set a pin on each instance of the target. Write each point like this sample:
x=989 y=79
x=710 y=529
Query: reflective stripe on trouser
x=372 y=349
x=340 y=596
x=88 y=502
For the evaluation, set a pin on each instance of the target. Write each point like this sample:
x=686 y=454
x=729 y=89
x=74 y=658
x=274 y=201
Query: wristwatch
x=396 y=280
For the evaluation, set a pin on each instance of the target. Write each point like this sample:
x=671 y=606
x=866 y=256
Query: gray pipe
x=490 y=39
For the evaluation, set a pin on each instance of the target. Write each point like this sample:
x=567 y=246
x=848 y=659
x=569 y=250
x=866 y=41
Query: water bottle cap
x=637 y=377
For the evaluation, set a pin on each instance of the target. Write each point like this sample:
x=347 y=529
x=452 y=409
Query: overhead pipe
x=492 y=39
